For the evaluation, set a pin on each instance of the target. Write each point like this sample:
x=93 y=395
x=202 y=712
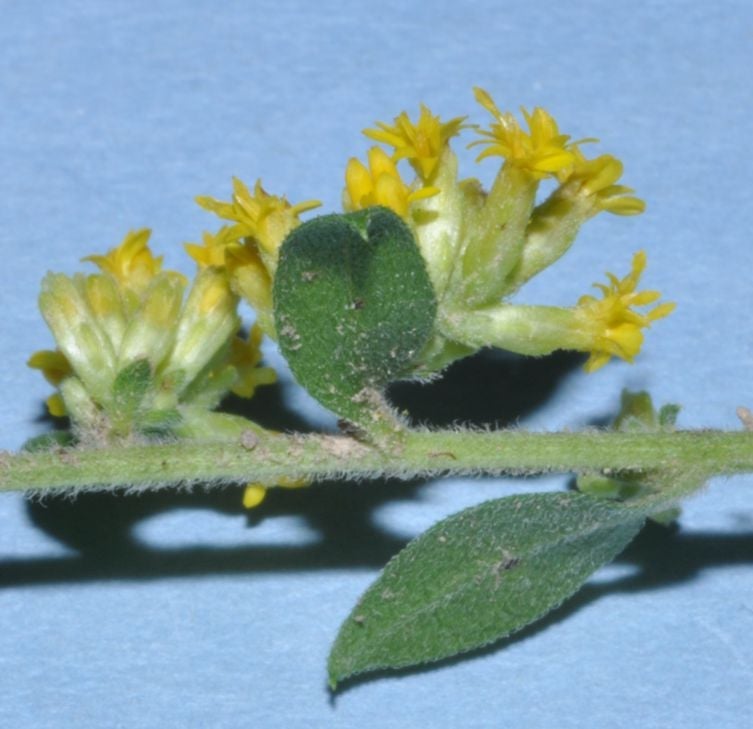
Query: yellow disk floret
x=379 y=184
x=617 y=327
x=541 y=152
x=421 y=143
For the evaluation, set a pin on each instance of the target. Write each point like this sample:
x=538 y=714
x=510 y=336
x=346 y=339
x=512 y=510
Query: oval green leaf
x=479 y=576
x=353 y=305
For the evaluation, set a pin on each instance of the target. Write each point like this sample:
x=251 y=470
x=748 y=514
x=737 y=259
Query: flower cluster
x=481 y=246
x=422 y=143
x=379 y=184
x=617 y=327
x=133 y=356
x=540 y=152
x=141 y=351
x=248 y=248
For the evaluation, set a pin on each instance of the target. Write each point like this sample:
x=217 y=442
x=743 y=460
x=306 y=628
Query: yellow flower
x=379 y=184
x=131 y=263
x=616 y=327
x=255 y=493
x=266 y=218
x=422 y=143
x=245 y=356
x=596 y=178
x=541 y=152
x=213 y=249
x=55 y=367
x=56 y=405
x=251 y=278
x=53 y=363
x=248 y=249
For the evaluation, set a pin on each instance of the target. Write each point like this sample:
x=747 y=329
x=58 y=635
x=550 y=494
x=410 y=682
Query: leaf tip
x=335 y=674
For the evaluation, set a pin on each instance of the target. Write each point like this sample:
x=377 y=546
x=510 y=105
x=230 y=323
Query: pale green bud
x=151 y=332
x=77 y=332
x=495 y=235
x=78 y=404
x=437 y=223
x=207 y=324
x=106 y=304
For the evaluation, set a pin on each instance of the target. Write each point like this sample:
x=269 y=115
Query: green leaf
x=478 y=576
x=49 y=441
x=668 y=416
x=636 y=413
x=130 y=387
x=354 y=306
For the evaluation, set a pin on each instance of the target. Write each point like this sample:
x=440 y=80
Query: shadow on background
x=491 y=389
x=661 y=556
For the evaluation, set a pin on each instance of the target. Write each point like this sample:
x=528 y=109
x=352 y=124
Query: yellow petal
x=253 y=495
x=56 y=405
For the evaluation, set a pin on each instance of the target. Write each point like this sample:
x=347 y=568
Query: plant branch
x=418 y=453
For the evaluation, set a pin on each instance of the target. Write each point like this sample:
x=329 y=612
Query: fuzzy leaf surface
x=479 y=576
x=353 y=306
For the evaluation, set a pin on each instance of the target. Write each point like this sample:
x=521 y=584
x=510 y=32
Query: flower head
x=248 y=249
x=421 y=143
x=541 y=152
x=131 y=323
x=213 y=248
x=379 y=184
x=596 y=178
x=131 y=263
x=617 y=328
x=265 y=218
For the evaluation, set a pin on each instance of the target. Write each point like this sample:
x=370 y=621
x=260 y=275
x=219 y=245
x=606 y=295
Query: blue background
x=176 y=609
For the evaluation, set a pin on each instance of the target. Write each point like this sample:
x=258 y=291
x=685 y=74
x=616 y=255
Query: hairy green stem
x=418 y=453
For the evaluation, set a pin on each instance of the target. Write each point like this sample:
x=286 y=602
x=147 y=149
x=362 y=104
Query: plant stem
x=420 y=453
